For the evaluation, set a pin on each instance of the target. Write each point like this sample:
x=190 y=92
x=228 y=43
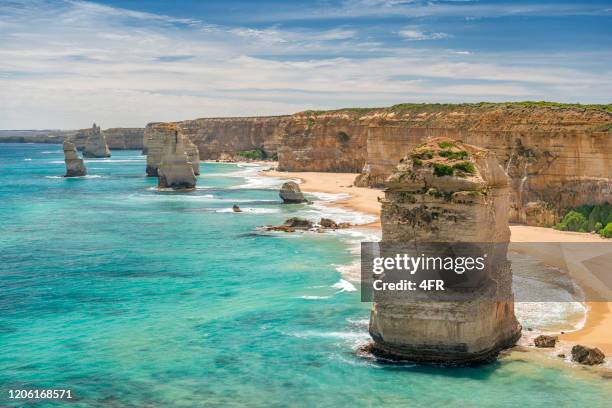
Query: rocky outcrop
x=291 y=225
x=290 y=193
x=587 y=355
x=175 y=170
x=157 y=136
x=545 y=341
x=74 y=164
x=448 y=192
x=96 y=146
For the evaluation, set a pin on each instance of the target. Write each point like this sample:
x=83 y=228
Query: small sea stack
x=175 y=170
x=456 y=194
x=74 y=164
x=95 y=145
x=155 y=138
x=290 y=193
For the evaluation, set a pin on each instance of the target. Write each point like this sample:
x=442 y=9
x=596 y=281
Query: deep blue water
x=131 y=297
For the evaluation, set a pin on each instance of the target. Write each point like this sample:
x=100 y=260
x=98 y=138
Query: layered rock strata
x=96 y=146
x=448 y=192
x=224 y=137
x=557 y=158
x=157 y=136
x=74 y=164
x=175 y=170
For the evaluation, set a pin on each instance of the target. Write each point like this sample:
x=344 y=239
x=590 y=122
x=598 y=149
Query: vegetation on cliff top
x=588 y=218
x=256 y=154
x=408 y=107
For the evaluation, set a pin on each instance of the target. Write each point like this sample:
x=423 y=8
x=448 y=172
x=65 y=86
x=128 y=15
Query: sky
x=65 y=63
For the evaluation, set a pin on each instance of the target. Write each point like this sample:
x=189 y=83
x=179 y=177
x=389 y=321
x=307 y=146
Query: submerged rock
x=291 y=194
x=156 y=136
x=96 y=146
x=328 y=223
x=175 y=170
x=587 y=355
x=545 y=341
x=235 y=208
x=74 y=164
x=448 y=192
x=291 y=225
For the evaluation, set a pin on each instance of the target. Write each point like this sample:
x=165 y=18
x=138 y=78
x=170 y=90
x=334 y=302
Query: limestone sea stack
x=291 y=194
x=96 y=146
x=453 y=193
x=175 y=170
x=74 y=164
x=155 y=138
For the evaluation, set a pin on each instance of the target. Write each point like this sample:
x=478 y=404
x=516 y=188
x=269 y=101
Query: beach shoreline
x=597 y=328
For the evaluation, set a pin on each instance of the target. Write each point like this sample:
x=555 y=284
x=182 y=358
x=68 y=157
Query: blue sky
x=65 y=64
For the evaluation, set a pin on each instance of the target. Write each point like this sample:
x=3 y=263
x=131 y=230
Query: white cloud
x=417 y=35
x=68 y=65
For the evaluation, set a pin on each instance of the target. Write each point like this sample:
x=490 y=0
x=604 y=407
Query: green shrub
x=417 y=161
x=573 y=221
x=465 y=167
x=598 y=227
x=446 y=145
x=442 y=170
x=425 y=155
x=257 y=154
x=606 y=231
x=454 y=155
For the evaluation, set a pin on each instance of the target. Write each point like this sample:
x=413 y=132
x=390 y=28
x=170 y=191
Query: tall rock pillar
x=96 y=146
x=175 y=170
x=74 y=164
x=455 y=194
x=156 y=137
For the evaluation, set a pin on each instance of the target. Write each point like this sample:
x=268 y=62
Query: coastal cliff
x=327 y=141
x=557 y=157
x=216 y=138
x=175 y=170
x=116 y=138
x=448 y=192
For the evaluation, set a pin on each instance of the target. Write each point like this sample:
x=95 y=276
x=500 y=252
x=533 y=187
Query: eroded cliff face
x=328 y=141
x=74 y=164
x=447 y=192
x=557 y=158
x=175 y=170
x=95 y=145
x=219 y=137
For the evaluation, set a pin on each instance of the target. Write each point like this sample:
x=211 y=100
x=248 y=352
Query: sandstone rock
x=156 y=136
x=328 y=223
x=539 y=214
x=344 y=225
x=175 y=170
x=447 y=191
x=292 y=224
x=545 y=341
x=235 y=208
x=74 y=164
x=587 y=355
x=291 y=194
x=96 y=146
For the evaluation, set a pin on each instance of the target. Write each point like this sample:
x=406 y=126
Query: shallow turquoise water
x=131 y=297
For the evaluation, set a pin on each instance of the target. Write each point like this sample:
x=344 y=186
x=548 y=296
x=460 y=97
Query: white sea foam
x=310 y=297
x=249 y=210
x=27 y=159
x=51 y=152
x=344 y=286
x=93 y=176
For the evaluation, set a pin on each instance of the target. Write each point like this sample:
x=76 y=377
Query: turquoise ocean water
x=131 y=297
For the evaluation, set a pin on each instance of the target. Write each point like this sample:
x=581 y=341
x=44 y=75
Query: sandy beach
x=597 y=329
